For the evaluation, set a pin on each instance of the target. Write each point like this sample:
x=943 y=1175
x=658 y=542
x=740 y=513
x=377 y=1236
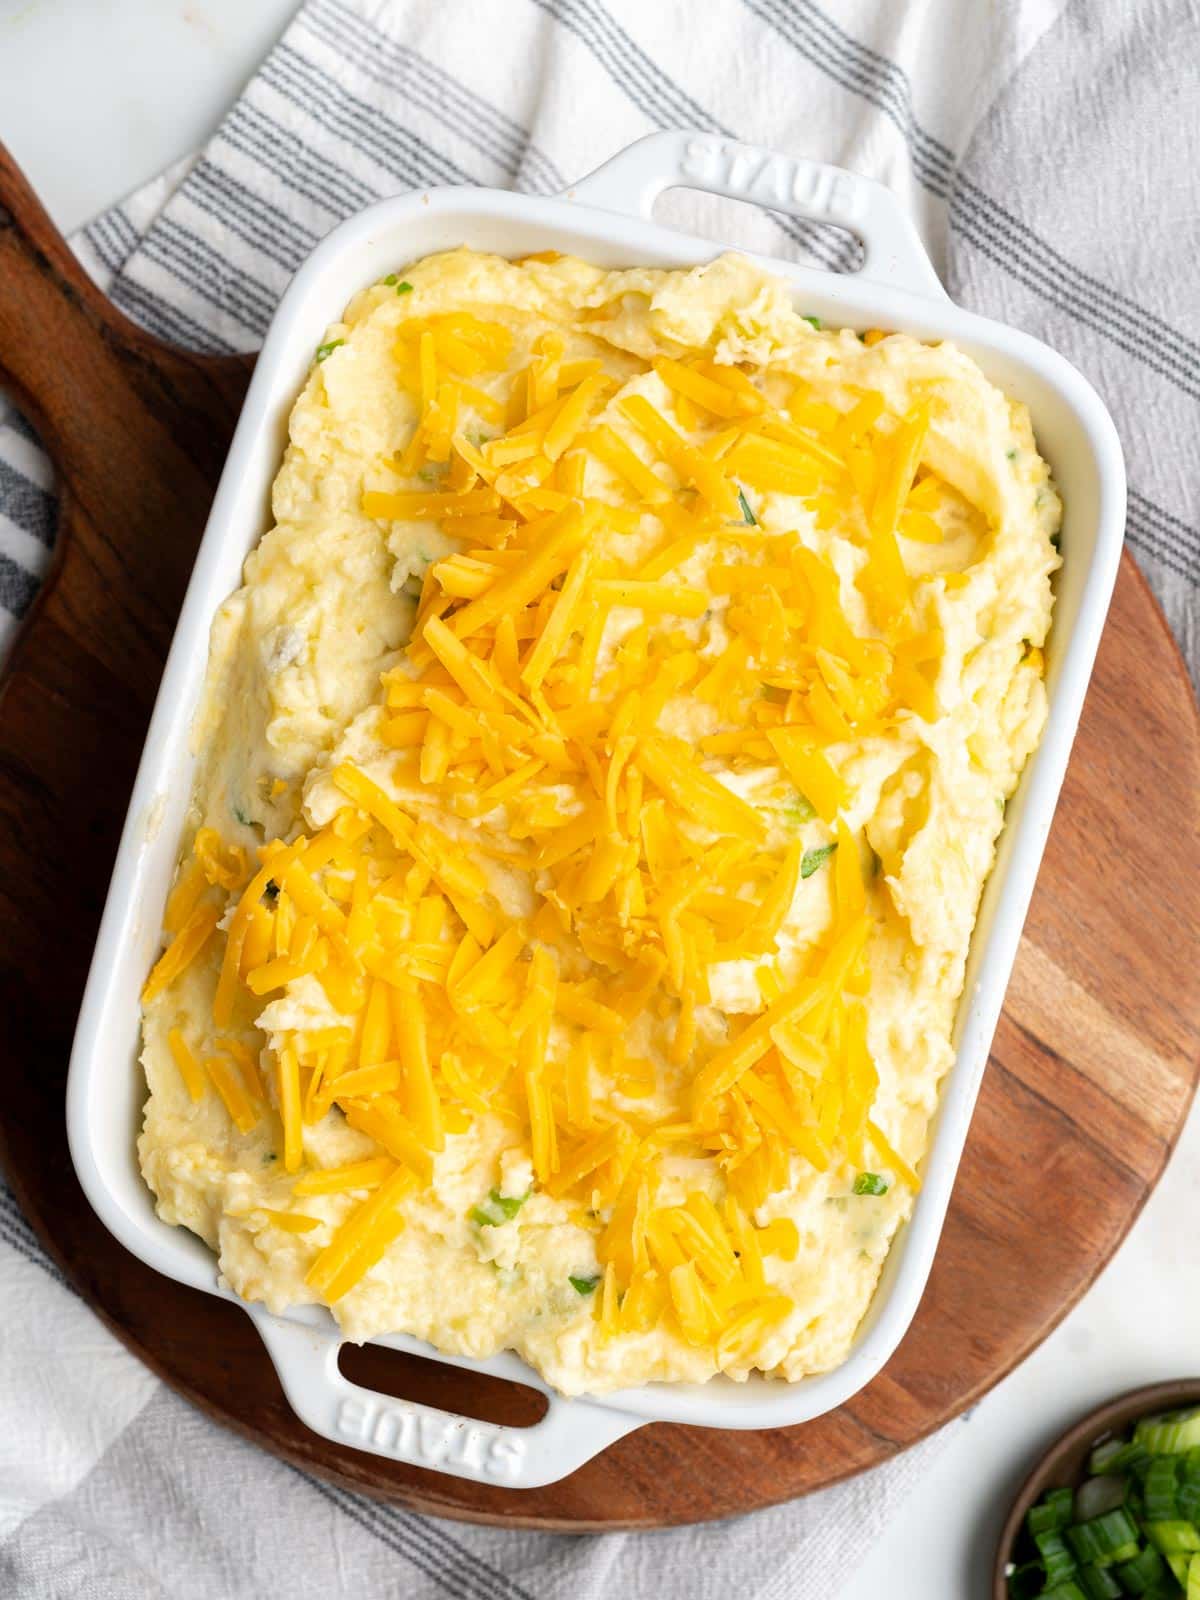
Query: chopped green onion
x=1052 y=1511
x=872 y=1183
x=404 y=288
x=814 y=321
x=1056 y=1558
x=324 y=351
x=1097 y=1539
x=1125 y=1457
x=1169 y=1435
x=497 y=1209
x=1144 y=1573
x=1170 y=1536
x=583 y=1285
x=1193 y=1579
x=814 y=858
x=1097 y=1496
x=390 y=279
x=1161 y=1490
x=747 y=515
x=1098 y=1583
x=1125 y=1553
x=1188 y=1501
x=1137 y=1461
x=800 y=808
x=1104 y=1455
x=1179 y=1564
x=1069 y=1590
x=1010 y=455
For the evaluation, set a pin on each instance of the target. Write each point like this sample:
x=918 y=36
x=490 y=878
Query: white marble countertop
x=97 y=97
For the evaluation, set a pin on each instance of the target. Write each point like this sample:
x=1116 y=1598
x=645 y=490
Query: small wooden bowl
x=1064 y=1465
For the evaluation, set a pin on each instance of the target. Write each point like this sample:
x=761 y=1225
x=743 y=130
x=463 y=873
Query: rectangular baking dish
x=605 y=218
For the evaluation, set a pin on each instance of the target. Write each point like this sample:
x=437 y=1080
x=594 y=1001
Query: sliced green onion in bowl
x=1056 y=1557
x=1103 y=1457
x=1170 y=1537
x=1053 y=1511
x=1098 y=1583
x=1097 y=1496
x=1170 y=1435
x=1131 y=1527
x=1143 y=1573
x=1101 y=1538
x=1160 y=1490
x=1180 y=1565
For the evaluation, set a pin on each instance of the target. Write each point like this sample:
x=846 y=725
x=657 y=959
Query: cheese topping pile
x=599 y=770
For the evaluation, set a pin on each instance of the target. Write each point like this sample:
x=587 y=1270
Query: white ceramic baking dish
x=606 y=218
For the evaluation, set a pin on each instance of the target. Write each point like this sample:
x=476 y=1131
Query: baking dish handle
x=633 y=179
x=325 y=1400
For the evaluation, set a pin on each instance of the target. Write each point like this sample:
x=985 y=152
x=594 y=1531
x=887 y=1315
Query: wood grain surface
x=1091 y=1074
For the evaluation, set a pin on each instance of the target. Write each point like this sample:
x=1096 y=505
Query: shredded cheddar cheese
x=605 y=877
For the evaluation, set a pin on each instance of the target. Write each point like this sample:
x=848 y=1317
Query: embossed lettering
x=414 y=1435
x=505 y=1455
x=352 y=1418
x=771 y=185
x=774 y=180
x=470 y=1452
x=701 y=160
x=435 y=1435
x=393 y=1431
x=809 y=183
x=744 y=163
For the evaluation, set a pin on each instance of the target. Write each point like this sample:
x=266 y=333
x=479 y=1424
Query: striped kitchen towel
x=1048 y=151
x=1028 y=141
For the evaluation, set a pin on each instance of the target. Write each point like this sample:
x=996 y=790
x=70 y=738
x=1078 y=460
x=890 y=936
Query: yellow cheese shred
x=362 y=1239
x=182 y=950
x=189 y=1068
x=228 y=1085
x=367 y=1174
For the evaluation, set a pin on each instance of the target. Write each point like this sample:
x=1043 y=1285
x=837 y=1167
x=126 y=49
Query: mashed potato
x=599 y=769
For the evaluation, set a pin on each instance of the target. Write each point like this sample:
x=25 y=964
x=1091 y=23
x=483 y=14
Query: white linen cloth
x=1048 y=151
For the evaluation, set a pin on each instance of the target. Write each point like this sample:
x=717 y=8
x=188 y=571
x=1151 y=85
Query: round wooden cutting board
x=1091 y=1074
